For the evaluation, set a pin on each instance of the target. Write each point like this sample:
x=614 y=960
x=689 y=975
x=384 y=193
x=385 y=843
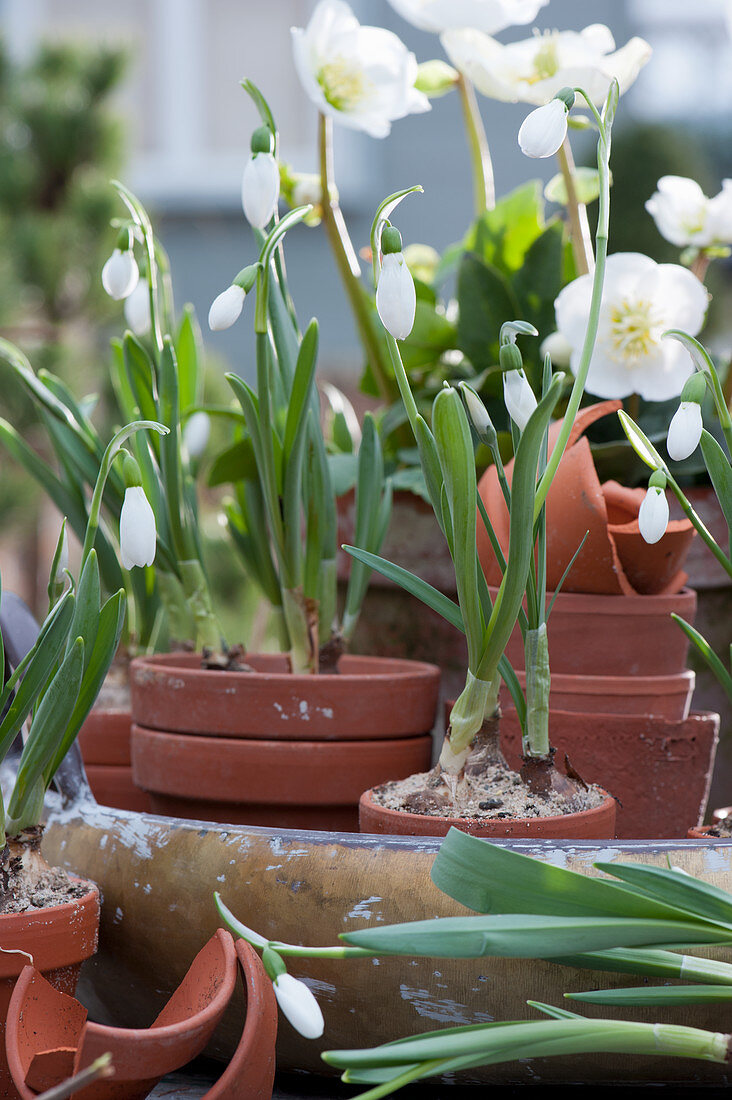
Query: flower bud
x=544 y=130
x=137 y=309
x=478 y=414
x=653 y=513
x=299 y=1006
x=519 y=397
x=120 y=274
x=396 y=298
x=225 y=309
x=137 y=536
x=196 y=433
x=436 y=78
x=260 y=189
x=684 y=431
x=63 y=557
x=509 y=357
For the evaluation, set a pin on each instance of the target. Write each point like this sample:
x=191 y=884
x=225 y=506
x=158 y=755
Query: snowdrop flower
x=686 y=217
x=490 y=16
x=260 y=185
x=299 y=1005
x=225 y=308
x=534 y=70
x=685 y=429
x=196 y=432
x=653 y=514
x=120 y=273
x=396 y=298
x=137 y=535
x=640 y=300
x=361 y=76
x=137 y=309
x=543 y=132
x=478 y=413
x=519 y=397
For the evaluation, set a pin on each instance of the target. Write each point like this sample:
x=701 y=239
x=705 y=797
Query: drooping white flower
x=196 y=432
x=361 y=76
x=640 y=300
x=225 y=308
x=260 y=189
x=120 y=274
x=684 y=431
x=544 y=130
x=299 y=1006
x=686 y=217
x=653 y=514
x=519 y=397
x=396 y=298
x=137 y=309
x=558 y=348
x=490 y=16
x=136 y=529
x=534 y=70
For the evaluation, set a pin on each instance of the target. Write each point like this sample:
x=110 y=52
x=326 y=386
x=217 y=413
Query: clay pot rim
x=701 y=832
x=469 y=822
x=676 y=683
x=257 y=745
x=662 y=603
x=397 y=668
x=15 y=927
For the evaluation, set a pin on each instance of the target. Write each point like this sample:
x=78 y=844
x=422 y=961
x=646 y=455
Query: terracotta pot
x=659 y=771
x=58 y=939
x=666 y=697
x=701 y=832
x=614 y=559
x=595 y=824
x=105 y=746
x=291 y=784
x=270 y=748
x=49 y=1037
x=614 y=635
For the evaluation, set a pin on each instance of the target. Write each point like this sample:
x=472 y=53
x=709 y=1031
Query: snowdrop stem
x=579 y=227
x=704 y=534
x=105 y=466
x=400 y=374
x=601 y=235
x=484 y=188
x=347 y=260
x=198 y=599
x=142 y=221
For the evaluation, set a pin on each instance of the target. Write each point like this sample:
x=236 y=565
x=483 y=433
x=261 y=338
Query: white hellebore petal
x=137 y=309
x=490 y=16
x=686 y=217
x=519 y=397
x=558 y=348
x=396 y=298
x=260 y=189
x=544 y=130
x=120 y=274
x=136 y=529
x=225 y=309
x=299 y=1006
x=684 y=431
x=534 y=70
x=640 y=300
x=361 y=76
x=196 y=433
x=653 y=515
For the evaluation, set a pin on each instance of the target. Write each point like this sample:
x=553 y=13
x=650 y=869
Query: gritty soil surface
x=723 y=830
x=53 y=887
x=497 y=794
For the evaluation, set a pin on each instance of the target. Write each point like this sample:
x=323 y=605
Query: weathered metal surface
x=158 y=875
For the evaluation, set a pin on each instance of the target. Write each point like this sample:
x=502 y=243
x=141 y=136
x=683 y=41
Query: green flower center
x=344 y=86
x=546 y=58
x=636 y=328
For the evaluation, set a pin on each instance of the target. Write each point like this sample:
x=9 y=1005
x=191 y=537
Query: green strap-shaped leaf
x=302 y=387
x=140 y=372
x=675 y=888
x=720 y=474
x=66 y=502
x=189 y=351
x=86 y=612
x=707 y=653
x=429 y=596
x=656 y=995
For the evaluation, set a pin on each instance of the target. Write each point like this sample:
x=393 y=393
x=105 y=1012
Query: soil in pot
x=490 y=799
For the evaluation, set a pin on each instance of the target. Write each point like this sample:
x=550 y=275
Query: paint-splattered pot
x=266 y=747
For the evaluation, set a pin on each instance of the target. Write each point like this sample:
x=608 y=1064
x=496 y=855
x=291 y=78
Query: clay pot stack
x=620 y=688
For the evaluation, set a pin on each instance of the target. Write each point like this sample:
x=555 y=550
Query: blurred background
x=148 y=90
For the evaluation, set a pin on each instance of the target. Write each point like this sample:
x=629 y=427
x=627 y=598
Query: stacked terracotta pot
x=620 y=689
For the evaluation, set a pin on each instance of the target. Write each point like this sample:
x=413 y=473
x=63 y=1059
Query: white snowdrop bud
x=519 y=397
x=196 y=433
x=299 y=1006
x=684 y=431
x=137 y=309
x=544 y=130
x=653 y=514
x=260 y=189
x=136 y=529
x=225 y=309
x=120 y=274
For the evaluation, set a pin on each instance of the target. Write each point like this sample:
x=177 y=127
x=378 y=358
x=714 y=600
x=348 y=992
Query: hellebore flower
x=136 y=529
x=544 y=130
x=557 y=348
x=299 y=1005
x=260 y=184
x=490 y=16
x=687 y=218
x=137 y=309
x=653 y=513
x=396 y=298
x=640 y=300
x=519 y=397
x=361 y=76
x=534 y=70
x=225 y=308
x=120 y=274
x=196 y=432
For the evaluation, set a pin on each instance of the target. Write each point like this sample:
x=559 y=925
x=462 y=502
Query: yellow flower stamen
x=343 y=85
x=636 y=329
